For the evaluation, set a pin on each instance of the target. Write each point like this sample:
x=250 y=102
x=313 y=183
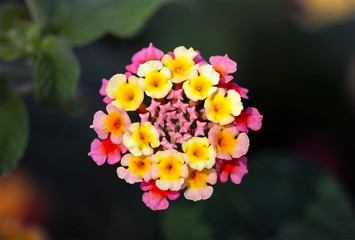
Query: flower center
x=139 y=165
x=169 y=168
x=197 y=152
x=180 y=66
x=225 y=142
x=155 y=81
x=114 y=123
x=197 y=179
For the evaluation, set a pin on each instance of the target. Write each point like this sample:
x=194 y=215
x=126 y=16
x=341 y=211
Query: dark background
x=301 y=163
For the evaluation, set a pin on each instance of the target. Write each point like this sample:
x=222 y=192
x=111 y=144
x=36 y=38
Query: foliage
x=45 y=36
x=14 y=129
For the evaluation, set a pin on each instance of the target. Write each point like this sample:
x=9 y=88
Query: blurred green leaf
x=82 y=21
x=14 y=129
x=13 y=24
x=185 y=222
x=329 y=217
x=56 y=73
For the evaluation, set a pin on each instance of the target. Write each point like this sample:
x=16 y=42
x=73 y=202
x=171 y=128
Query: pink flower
x=116 y=123
x=174 y=136
x=155 y=198
x=224 y=66
x=144 y=55
x=102 y=91
x=100 y=151
x=251 y=118
x=185 y=128
x=144 y=117
x=193 y=114
x=200 y=128
x=161 y=119
x=153 y=107
x=180 y=105
x=171 y=115
x=176 y=94
x=167 y=145
x=231 y=85
x=227 y=141
x=184 y=138
x=235 y=168
x=166 y=107
x=197 y=184
x=161 y=132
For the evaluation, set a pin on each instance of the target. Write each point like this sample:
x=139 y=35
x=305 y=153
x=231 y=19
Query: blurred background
x=297 y=59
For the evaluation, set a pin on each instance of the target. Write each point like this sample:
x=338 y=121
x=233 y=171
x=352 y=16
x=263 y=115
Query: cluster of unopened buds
x=193 y=132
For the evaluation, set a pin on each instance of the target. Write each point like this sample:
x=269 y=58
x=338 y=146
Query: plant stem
x=32 y=10
x=16 y=71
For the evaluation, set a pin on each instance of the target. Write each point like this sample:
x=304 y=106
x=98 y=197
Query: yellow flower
x=142 y=140
x=170 y=169
x=156 y=83
x=138 y=168
x=199 y=153
x=128 y=96
x=182 y=65
x=197 y=188
x=200 y=83
x=319 y=12
x=221 y=108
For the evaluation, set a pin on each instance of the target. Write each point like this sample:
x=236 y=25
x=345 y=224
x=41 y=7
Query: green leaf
x=82 y=21
x=56 y=73
x=185 y=222
x=329 y=217
x=13 y=25
x=14 y=129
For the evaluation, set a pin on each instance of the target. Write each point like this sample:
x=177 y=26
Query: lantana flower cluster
x=193 y=132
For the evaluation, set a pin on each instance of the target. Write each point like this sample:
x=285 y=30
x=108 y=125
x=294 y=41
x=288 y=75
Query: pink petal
x=242 y=145
x=144 y=117
x=231 y=85
x=197 y=194
x=171 y=115
x=167 y=145
x=174 y=136
x=185 y=128
x=255 y=119
x=98 y=124
x=200 y=128
x=173 y=195
x=144 y=55
x=181 y=118
x=114 y=157
x=239 y=170
x=97 y=153
x=128 y=176
x=223 y=65
x=161 y=119
x=108 y=100
x=102 y=90
x=170 y=126
x=236 y=168
x=166 y=107
x=153 y=107
x=155 y=201
x=184 y=138
x=180 y=105
x=175 y=94
x=193 y=114
x=161 y=132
